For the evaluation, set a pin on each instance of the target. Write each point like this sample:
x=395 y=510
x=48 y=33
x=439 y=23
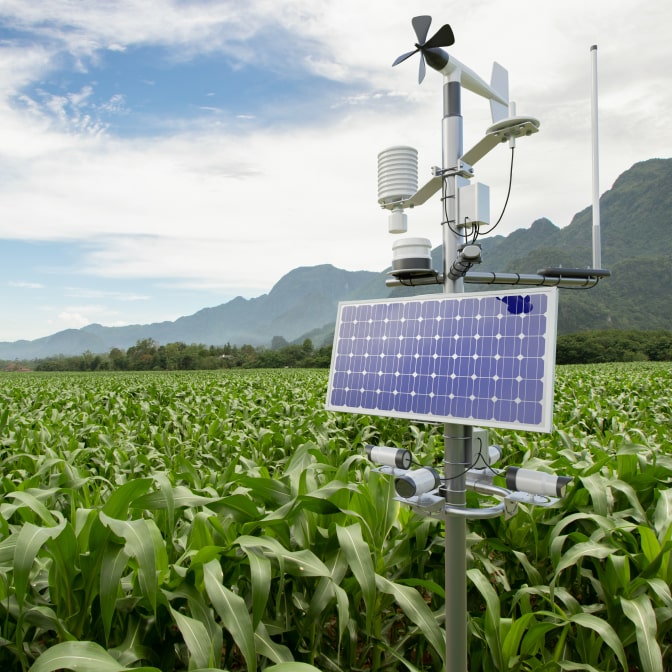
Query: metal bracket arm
x=430 y=188
x=507 y=507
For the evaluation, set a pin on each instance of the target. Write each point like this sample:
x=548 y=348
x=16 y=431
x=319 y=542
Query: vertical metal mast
x=457 y=438
x=597 y=250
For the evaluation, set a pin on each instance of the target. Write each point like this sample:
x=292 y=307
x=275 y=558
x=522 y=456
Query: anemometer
x=469 y=360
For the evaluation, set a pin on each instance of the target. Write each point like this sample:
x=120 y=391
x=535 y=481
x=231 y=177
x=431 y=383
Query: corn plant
x=226 y=521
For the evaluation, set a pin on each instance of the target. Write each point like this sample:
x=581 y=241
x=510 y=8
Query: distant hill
x=636 y=222
x=301 y=300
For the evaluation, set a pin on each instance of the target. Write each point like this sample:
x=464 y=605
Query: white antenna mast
x=597 y=247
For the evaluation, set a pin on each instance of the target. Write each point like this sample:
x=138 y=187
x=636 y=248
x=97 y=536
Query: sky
x=162 y=156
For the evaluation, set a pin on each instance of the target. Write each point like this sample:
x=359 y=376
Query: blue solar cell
x=478 y=358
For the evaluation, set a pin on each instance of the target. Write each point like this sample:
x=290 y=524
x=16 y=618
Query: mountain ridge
x=635 y=213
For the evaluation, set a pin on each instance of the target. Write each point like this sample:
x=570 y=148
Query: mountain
x=636 y=222
x=301 y=300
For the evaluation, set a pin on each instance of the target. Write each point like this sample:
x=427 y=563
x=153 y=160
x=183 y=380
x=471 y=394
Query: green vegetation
x=224 y=520
x=148 y=355
x=587 y=347
x=613 y=345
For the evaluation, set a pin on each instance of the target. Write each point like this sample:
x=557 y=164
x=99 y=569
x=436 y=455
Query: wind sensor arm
x=497 y=92
x=432 y=54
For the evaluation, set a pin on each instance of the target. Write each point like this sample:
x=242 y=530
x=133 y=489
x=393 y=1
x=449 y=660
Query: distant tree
x=278 y=343
x=147 y=355
x=322 y=357
x=248 y=357
x=118 y=359
x=613 y=345
x=141 y=355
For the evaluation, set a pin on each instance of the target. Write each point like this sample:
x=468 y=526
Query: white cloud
x=25 y=285
x=77 y=316
x=85 y=293
x=71 y=320
x=225 y=203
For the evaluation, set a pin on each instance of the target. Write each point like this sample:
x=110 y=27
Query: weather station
x=468 y=360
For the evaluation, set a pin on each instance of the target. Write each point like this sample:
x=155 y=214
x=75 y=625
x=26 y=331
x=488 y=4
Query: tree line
x=587 y=347
x=148 y=355
x=614 y=345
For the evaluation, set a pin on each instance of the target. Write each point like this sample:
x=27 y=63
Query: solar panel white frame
x=476 y=358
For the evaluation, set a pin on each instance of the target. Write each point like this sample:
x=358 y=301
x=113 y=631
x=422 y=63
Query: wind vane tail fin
x=500 y=83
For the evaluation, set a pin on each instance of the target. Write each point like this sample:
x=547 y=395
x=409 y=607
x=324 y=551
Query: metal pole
x=597 y=247
x=457 y=438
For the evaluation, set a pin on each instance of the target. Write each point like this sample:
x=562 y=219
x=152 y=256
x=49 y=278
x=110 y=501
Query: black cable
x=446 y=220
x=474 y=462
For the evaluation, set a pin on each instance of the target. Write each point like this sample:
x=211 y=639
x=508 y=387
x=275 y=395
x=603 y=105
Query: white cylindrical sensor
x=412 y=254
x=397 y=222
x=536 y=482
x=494 y=454
x=397 y=174
x=391 y=457
x=417 y=482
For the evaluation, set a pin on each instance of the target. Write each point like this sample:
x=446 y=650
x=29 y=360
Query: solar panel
x=474 y=358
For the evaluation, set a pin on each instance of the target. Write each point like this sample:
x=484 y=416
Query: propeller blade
x=422 y=69
x=443 y=38
x=421 y=26
x=403 y=57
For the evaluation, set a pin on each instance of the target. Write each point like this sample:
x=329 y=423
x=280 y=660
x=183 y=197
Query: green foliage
x=587 y=347
x=225 y=521
x=596 y=347
x=147 y=355
x=587 y=586
x=216 y=520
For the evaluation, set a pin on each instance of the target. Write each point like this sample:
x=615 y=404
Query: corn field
x=226 y=521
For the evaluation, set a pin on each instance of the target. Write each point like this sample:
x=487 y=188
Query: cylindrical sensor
x=391 y=457
x=397 y=222
x=536 y=482
x=417 y=482
x=494 y=454
x=412 y=254
x=397 y=174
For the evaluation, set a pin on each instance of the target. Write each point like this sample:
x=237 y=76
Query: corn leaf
x=265 y=646
x=641 y=613
x=302 y=562
x=292 y=667
x=512 y=640
x=197 y=639
x=233 y=612
x=260 y=577
x=358 y=555
x=662 y=515
x=30 y=540
x=121 y=499
x=577 y=552
x=114 y=561
x=605 y=631
x=171 y=498
x=417 y=611
x=80 y=657
x=140 y=545
x=30 y=501
x=492 y=624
